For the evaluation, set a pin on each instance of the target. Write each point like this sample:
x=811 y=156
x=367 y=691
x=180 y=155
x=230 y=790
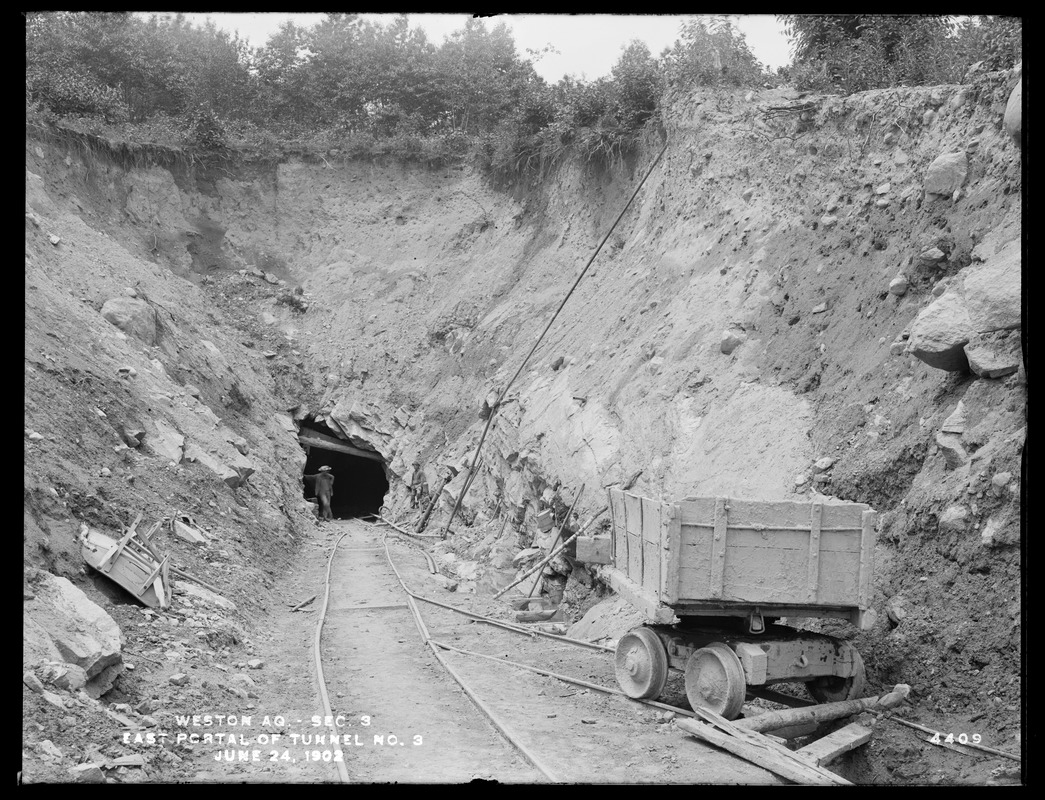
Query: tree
x=712 y=53
x=853 y=52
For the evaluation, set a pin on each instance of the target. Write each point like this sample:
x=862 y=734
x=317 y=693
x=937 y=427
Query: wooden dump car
x=714 y=575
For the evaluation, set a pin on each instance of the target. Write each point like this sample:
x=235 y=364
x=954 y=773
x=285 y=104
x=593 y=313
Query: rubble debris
x=205 y=595
x=956 y=420
x=824 y=464
x=132 y=316
x=82 y=632
x=953 y=519
x=999 y=482
x=898 y=285
x=50 y=750
x=946 y=174
x=67 y=677
x=447 y=583
x=951 y=447
x=989 y=362
x=184 y=527
x=934 y=255
x=132 y=436
x=166 y=442
x=86 y=773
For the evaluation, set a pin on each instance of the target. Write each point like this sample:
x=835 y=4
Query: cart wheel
x=641 y=664
x=833 y=689
x=715 y=680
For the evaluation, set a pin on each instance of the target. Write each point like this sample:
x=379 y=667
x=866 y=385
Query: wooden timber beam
x=324 y=442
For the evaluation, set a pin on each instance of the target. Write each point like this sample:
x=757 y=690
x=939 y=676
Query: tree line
x=384 y=87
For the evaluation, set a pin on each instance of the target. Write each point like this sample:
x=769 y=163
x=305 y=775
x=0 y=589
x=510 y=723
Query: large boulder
x=946 y=174
x=81 y=631
x=940 y=332
x=993 y=291
x=165 y=441
x=992 y=356
x=1014 y=112
x=132 y=316
x=232 y=477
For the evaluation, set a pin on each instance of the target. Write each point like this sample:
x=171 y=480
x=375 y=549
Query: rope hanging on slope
x=522 y=366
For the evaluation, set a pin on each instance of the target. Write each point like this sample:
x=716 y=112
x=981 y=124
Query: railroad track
x=451 y=695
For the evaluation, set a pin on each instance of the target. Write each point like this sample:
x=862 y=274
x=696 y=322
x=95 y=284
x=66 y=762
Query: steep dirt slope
x=772 y=234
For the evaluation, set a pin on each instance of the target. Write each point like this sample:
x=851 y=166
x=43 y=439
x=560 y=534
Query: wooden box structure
x=716 y=556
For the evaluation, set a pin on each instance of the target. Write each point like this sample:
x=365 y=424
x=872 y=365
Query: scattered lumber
x=543 y=615
x=303 y=603
x=759 y=750
x=190 y=577
x=824 y=712
x=830 y=747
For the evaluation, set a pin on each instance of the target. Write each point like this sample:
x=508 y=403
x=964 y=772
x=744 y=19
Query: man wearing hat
x=418 y=485
x=322 y=487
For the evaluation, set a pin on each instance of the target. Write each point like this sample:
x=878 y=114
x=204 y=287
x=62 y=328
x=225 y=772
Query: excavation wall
x=761 y=324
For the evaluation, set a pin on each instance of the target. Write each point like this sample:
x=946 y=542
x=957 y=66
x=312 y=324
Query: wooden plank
x=827 y=749
x=718 y=547
x=783 y=514
x=839 y=578
x=642 y=600
x=633 y=523
x=762 y=753
x=813 y=567
x=595 y=549
x=671 y=556
x=762 y=739
x=866 y=557
x=618 y=529
x=325 y=442
x=651 y=545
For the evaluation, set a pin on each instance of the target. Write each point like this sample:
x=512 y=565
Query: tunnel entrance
x=360 y=483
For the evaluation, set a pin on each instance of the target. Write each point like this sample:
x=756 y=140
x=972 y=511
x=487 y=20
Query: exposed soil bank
x=775 y=238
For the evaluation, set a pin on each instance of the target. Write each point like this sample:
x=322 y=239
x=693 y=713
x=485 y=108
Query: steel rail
x=342 y=770
x=498 y=724
x=566 y=679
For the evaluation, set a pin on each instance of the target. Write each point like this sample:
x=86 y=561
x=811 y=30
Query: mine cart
x=714 y=576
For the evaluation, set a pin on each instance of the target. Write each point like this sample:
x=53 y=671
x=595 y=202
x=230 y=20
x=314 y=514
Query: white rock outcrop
x=80 y=630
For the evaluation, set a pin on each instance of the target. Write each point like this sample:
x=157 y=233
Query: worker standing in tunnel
x=321 y=486
x=418 y=485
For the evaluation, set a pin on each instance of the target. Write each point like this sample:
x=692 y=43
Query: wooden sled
x=131 y=562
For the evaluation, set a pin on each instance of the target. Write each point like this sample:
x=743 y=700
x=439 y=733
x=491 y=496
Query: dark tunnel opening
x=360 y=483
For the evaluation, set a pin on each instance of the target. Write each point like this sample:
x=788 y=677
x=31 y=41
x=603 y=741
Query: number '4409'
x=950 y=738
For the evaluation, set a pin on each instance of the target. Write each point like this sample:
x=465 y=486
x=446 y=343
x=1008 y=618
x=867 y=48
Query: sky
x=588 y=45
